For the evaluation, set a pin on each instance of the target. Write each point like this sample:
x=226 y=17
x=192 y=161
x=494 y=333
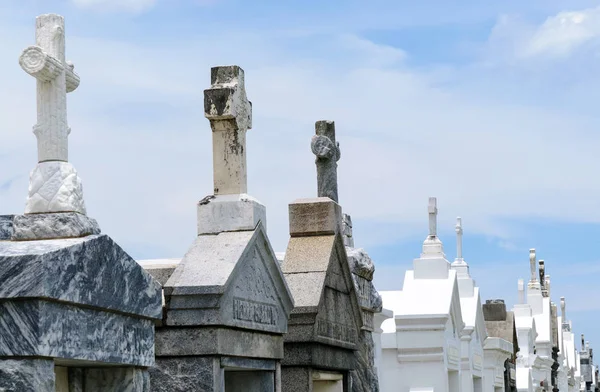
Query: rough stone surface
x=57 y=330
x=117 y=380
x=186 y=374
x=54 y=187
x=364 y=377
x=220 y=213
x=52 y=226
x=360 y=263
x=194 y=341
x=27 y=375
x=327 y=152
x=6 y=227
x=314 y=217
x=92 y=271
x=55 y=77
x=494 y=310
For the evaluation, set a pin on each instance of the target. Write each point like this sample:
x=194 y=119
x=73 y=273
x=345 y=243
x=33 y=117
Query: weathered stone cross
x=230 y=114
x=55 y=78
x=532 y=265
x=432 y=209
x=327 y=150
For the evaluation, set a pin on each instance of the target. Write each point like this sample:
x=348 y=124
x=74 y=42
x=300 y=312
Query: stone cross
x=432 y=210
x=230 y=114
x=532 y=264
x=327 y=150
x=521 y=288
x=45 y=61
x=459 y=234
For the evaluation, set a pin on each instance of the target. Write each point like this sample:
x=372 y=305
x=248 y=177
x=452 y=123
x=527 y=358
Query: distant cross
x=230 y=114
x=327 y=151
x=532 y=264
x=459 y=234
x=55 y=78
x=432 y=210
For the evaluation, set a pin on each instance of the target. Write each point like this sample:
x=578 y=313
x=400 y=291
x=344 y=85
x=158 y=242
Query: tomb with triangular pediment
x=325 y=325
x=226 y=301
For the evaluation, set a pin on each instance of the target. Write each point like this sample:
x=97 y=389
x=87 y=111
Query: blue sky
x=490 y=106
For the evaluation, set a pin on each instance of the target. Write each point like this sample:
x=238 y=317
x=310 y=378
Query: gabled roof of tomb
x=92 y=271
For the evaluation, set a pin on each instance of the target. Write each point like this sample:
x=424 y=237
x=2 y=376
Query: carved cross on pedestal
x=459 y=234
x=327 y=151
x=230 y=114
x=55 y=78
x=432 y=210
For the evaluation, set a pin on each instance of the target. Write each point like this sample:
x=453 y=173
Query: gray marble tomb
x=226 y=302
x=77 y=313
x=325 y=325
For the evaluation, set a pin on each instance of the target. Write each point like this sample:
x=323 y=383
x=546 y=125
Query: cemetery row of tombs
x=77 y=313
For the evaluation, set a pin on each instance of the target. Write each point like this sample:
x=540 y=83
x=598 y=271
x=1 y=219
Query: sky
x=489 y=106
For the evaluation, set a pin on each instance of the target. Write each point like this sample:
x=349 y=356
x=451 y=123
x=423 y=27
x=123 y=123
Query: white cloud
x=558 y=37
x=116 y=5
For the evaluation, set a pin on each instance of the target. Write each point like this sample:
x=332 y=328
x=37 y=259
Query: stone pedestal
x=325 y=325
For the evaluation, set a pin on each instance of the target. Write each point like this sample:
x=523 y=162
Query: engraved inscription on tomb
x=336 y=331
x=255 y=312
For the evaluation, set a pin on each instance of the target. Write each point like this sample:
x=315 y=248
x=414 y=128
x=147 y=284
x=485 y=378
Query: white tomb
x=526 y=334
x=570 y=363
x=474 y=333
x=421 y=345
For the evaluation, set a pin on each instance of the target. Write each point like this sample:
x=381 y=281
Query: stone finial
x=45 y=61
x=230 y=114
x=532 y=265
x=563 y=309
x=546 y=289
x=432 y=210
x=521 y=288
x=327 y=152
x=542 y=273
x=459 y=234
x=582 y=342
x=54 y=185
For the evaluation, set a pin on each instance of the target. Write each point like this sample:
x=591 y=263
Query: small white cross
x=432 y=209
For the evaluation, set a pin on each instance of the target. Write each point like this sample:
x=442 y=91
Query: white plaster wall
x=396 y=377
